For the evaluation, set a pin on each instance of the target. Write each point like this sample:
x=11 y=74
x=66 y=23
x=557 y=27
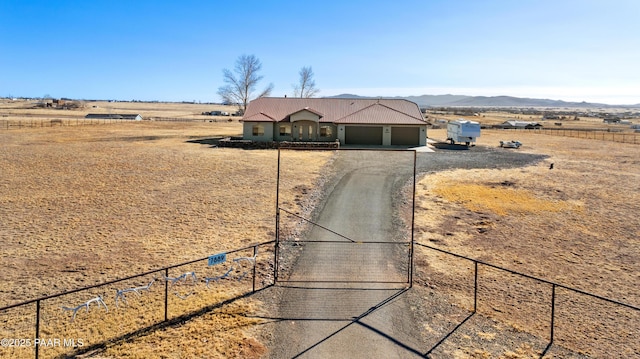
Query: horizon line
x=329 y=96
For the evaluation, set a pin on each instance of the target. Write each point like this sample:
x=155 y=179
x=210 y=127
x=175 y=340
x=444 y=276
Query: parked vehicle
x=510 y=144
x=463 y=131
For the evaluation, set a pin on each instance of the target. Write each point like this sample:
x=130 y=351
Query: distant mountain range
x=487 y=101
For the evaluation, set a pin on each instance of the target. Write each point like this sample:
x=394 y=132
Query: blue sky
x=571 y=50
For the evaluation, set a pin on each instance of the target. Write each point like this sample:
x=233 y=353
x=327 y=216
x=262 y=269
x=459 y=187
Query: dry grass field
x=490 y=118
x=86 y=204
x=31 y=112
x=576 y=224
x=584 y=123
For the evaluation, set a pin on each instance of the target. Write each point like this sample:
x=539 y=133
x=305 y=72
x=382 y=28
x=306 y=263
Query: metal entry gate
x=310 y=252
x=326 y=256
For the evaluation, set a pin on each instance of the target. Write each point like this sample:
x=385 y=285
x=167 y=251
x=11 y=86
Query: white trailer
x=463 y=131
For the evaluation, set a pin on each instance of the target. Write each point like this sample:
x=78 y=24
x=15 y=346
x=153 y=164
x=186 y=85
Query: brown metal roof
x=258 y=117
x=337 y=110
x=380 y=115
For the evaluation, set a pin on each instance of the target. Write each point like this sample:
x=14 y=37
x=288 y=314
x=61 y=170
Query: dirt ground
x=575 y=224
x=583 y=212
x=82 y=205
x=508 y=208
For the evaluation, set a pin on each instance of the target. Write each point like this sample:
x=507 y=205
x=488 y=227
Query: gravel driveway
x=345 y=300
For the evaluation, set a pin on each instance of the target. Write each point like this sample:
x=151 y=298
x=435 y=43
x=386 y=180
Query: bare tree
x=306 y=88
x=242 y=82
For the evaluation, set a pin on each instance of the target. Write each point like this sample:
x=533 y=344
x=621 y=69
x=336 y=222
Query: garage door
x=362 y=135
x=405 y=136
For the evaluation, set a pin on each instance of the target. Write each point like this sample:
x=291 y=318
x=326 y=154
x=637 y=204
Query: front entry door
x=305 y=132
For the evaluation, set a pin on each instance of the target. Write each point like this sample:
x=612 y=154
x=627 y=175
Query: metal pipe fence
x=79 y=320
x=340 y=254
x=552 y=302
x=138 y=305
x=179 y=119
x=57 y=122
x=589 y=134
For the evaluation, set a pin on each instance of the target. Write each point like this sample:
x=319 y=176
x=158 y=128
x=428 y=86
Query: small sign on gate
x=217 y=259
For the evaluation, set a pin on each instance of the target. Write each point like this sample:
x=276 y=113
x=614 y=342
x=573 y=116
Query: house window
x=258 y=130
x=285 y=130
x=326 y=131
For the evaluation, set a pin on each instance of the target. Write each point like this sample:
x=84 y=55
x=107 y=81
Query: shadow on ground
x=212 y=141
x=443 y=333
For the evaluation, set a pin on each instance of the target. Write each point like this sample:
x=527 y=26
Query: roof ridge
x=262 y=113
x=404 y=113
x=379 y=104
x=307 y=108
x=353 y=113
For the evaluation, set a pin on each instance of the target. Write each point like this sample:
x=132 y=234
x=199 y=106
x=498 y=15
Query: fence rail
x=553 y=303
x=264 y=264
x=183 y=119
x=9 y=124
x=595 y=134
x=248 y=264
x=57 y=122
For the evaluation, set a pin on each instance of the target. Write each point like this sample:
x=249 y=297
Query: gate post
x=413 y=216
x=276 y=248
x=37 y=328
x=475 y=287
x=255 y=262
x=166 y=294
x=553 y=312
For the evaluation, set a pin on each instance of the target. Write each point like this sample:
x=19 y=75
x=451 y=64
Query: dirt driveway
x=343 y=299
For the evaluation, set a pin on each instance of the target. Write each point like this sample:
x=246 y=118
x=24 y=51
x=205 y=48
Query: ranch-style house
x=383 y=122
